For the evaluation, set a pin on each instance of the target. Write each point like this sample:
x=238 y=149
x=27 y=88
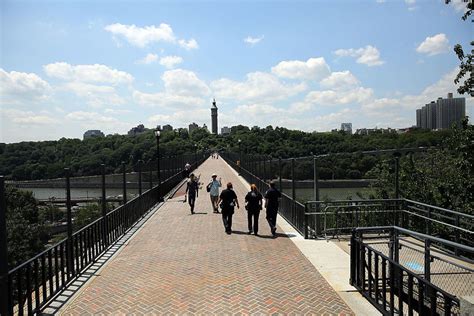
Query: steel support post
x=69 y=251
x=124 y=183
x=3 y=250
x=104 y=210
x=139 y=177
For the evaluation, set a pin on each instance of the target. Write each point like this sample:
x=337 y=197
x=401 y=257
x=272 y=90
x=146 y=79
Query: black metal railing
x=30 y=285
x=402 y=272
x=336 y=218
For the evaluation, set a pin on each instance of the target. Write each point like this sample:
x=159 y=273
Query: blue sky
x=70 y=66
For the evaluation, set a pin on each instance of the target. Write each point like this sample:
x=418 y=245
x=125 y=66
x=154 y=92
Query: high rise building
x=442 y=113
x=214 y=117
x=225 y=130
x=346 y=127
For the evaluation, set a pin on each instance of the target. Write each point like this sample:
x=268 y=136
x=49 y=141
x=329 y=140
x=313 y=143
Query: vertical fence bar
x=105 y=232
x=70 y=262
x=124 y=183
x=139 y=177
x=316 y=180
x=397 y=175
x=264 y=169
x=151 y=174
x=427 y=271
x=3 y=250
x=293 y=185
x=279 y=172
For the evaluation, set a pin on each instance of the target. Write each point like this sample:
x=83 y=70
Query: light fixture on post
x=158 y=171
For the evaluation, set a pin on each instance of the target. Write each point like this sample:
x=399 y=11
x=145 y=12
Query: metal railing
x=336 y=218
x=401 y=272
x=28 y=287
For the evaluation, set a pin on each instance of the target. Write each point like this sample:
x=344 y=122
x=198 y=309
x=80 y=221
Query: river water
x=46 y=193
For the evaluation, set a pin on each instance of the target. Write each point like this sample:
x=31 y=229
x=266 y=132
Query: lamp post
x=158 y=171
x=240 y=155
x=195 y=154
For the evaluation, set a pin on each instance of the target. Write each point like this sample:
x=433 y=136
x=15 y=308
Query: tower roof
x=214 y=106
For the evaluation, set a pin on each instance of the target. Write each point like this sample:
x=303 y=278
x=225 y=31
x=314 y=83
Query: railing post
x=293 y=188
x=69 y=251
x=3 y=250
x=427 y=264
x=139 y=177
x=397 y=175
x=316 y=180
x=104 y=210
x=264 y=169
x=457 y=236
x=150 y=170
x=353 y=257
x=306 y=221
x=279 y=172
x=124 y=183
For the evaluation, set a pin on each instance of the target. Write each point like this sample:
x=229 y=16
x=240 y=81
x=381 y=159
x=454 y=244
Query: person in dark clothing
x=192 y=189
x=253 y=207
x=271 y=204
x=227 y=201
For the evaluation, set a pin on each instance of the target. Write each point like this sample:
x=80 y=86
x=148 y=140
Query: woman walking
x=253 y=207
x=227 y=200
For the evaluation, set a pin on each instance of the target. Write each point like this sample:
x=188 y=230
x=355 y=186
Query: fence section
x=32 y=284
x=400 y=271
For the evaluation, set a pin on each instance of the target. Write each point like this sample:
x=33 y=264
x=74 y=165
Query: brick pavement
x=180 y=263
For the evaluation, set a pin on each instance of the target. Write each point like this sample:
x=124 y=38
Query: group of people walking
x=227 y=200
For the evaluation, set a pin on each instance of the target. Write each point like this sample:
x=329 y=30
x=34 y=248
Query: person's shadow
x=237 y=232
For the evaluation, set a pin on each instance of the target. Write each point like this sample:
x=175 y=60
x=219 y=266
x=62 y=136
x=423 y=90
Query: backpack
x=208 y=187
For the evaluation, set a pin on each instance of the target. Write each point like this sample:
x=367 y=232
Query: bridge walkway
x=178 y=263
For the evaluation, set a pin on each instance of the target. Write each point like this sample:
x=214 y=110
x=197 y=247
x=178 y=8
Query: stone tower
x=214 y=117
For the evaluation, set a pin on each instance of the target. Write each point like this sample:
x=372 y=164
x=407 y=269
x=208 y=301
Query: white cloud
x=410 y=2
x=368 y=55
x=184 y=83
x=163 y=99
x=340 y=81
x=116 y=112
x=380 y=1
x=181 y=117
x=312 y=69
x=142 y=36
x=253 y=40
x=27 y=117
x=148 y=59
x=191 y=44
x=87 y=73
x=21 y=86
x=95 y=95
x=434 y=45
x=170 y=61
x=95 y=120
x=253 y=110
x=258 y=86
x=331 y=97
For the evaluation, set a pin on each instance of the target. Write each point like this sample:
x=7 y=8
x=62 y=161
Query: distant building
x=205 y=127
x=214 y=117
x=193 y=126
x=93 y=133
x=225 y=130
x=369 y=131
x=136 y=130
x=346 y=127
x=167 y=127
x=441 y=114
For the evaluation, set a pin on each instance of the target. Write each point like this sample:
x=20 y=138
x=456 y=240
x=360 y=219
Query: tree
x=465 y=68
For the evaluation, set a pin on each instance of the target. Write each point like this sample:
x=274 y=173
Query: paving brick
x=183 y=264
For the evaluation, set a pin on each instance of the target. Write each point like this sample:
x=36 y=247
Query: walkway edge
x=335 y=266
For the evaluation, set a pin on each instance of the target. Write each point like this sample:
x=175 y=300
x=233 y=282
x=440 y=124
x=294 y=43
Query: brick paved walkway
x=180 y=263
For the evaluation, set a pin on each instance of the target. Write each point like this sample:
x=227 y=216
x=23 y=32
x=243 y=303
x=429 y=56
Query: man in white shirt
x=213 y=187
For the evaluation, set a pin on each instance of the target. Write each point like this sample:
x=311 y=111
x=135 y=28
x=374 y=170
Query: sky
x=70 y=66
